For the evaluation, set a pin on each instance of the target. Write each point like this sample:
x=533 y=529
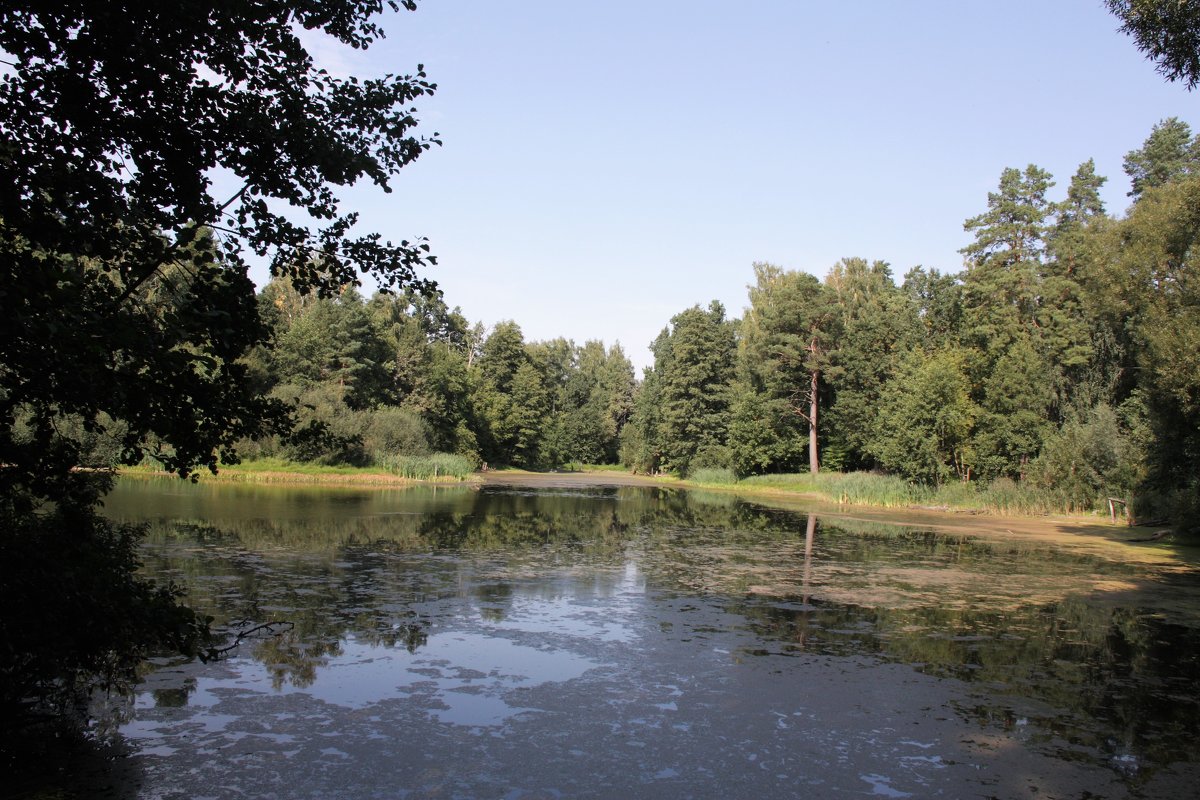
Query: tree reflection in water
x=1080 y=647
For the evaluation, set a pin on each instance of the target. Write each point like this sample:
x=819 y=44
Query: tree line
x=1065 y=356
x=403 y=374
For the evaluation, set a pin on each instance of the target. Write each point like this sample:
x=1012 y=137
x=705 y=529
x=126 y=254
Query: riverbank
x=278 y=472
x=971 y=521
x=966 y=520
x=1151 y=543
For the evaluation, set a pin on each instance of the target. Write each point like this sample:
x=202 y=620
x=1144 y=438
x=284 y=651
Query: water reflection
x=483 y=609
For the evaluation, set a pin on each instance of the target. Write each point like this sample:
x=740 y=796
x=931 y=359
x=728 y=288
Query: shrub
x=710 y=456
x=1087 y=460
x=328 y=431
x=400 y=431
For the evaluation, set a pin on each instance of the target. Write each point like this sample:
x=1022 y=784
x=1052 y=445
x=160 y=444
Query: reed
x=858 y=488
x=1001 y=496
x=713 y=476
x=435 y=466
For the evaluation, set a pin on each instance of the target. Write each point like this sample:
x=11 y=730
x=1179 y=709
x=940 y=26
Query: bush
x=1180 y=507
x=100 y=444
x=710 y=456
x=1185 y=508
x=327 y=431
x=259 y=449
x=396 y=431
x=1087 y=460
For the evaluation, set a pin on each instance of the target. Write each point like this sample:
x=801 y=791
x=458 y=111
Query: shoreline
x=1065 y=529
x=962 y=521
x=335 y=476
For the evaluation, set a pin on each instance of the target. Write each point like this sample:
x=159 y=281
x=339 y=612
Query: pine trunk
x=813 y=463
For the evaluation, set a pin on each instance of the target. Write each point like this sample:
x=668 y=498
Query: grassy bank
x=1001 y=496
x=395 y=471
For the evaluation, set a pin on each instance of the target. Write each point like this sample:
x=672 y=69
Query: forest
x=1064 y=358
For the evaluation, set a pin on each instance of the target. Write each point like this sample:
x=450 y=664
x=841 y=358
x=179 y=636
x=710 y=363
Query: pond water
x=512 y=641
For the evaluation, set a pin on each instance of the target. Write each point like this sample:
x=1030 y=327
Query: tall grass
x=859 y=488
x=713 y=476
x=1001 y=496
x=435 y=466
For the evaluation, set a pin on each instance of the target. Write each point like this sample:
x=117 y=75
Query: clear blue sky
x=606 y=165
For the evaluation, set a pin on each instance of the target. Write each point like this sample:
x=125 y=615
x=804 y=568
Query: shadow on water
x=461 y=599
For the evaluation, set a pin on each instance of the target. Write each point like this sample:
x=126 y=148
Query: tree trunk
x=813 y=463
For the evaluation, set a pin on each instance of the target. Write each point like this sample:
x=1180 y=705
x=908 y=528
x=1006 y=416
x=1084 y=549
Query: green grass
x=260 y=466
x=858 y=488
x=710 y=476
x=437 y=466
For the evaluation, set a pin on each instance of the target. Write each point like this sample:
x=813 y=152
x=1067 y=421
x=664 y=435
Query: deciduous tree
x=927 y=419
x=146 y=150
x=1167 y=31
x=878 y=325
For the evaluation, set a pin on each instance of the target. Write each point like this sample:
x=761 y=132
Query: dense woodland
x=403 y=375
x=1065 y=356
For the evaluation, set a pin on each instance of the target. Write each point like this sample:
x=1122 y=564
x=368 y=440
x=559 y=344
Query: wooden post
x=1113 y=502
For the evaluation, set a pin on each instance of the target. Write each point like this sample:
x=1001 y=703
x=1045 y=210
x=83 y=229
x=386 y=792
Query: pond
x=511 y=641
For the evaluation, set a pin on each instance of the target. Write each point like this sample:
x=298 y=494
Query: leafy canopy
x=124 y=270
x=1167 y=31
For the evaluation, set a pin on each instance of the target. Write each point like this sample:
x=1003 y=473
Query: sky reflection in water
x=657 y=640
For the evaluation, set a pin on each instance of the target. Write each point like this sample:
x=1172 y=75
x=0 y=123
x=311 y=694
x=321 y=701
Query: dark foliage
x=1167 y=31
x=76 y=615
x=124 y=297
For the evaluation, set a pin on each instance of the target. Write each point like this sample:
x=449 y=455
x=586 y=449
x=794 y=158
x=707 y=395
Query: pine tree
x=878 y=326
x=687 y=396
x=789 y=334
x=1020 y=314
x=1168 y=153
